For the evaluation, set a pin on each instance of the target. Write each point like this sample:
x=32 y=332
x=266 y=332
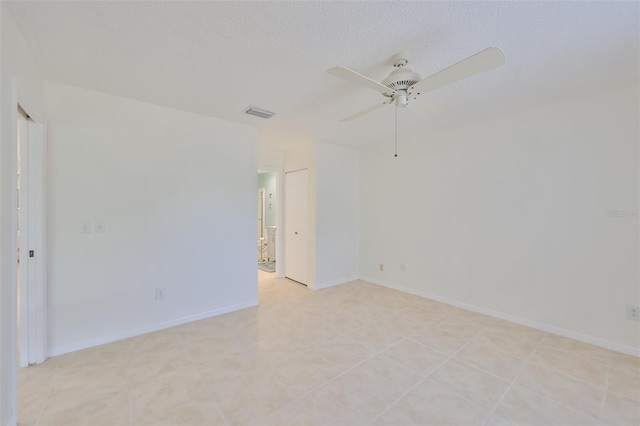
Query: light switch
x=99 y=227
x=85 y=227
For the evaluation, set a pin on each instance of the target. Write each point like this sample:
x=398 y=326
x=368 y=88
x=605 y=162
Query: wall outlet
x=382 y=267
x=403 y=267
x=633 y=312
x=160 y=293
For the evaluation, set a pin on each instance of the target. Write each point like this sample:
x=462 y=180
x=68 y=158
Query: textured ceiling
x=216 y=58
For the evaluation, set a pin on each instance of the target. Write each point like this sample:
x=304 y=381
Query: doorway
x=30 y=241
x=267 y=221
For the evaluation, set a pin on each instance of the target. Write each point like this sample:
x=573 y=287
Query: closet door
x=296 y=225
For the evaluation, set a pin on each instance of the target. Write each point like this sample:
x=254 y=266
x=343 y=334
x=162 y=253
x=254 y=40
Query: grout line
x=627 y=397
x=604 y=399
x=210 y=396
x=567 y=351
x=524 y=365
x=606 y=387
x=569 y=376
x=323 y=384
x=130 y=399
x=424 y=378
x=44 y=403
x=547 y=397
x=312 y=389
x=478 y=337
x=131 y=354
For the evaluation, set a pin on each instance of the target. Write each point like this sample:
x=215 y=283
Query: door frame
x=280 y=258
x=261 y=193
x=31 y=239
x=33 y=292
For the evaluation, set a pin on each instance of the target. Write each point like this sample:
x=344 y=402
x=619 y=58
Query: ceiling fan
x=403 y=84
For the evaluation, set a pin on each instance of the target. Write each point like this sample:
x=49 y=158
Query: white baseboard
x=85 y=344
x=618 y=347
x=332 y=283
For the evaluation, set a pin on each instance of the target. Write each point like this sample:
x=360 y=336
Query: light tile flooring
x=352 y=354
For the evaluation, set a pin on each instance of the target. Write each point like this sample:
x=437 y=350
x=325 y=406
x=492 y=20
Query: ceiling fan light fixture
x=259 y=112
x=401 y=98
x=401 y=79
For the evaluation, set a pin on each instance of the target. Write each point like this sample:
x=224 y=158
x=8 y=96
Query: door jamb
x=37 y=342
x=280 y=259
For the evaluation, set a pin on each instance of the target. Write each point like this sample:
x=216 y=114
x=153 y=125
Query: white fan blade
x=365 y=111
x=485 y=60
x=360 y=79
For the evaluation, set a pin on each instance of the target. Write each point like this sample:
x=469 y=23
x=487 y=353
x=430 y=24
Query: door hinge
x=31 y=253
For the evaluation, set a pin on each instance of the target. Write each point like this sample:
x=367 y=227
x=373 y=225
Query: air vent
x=262 y=113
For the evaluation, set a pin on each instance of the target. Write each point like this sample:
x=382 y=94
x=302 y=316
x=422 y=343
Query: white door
x=296 y=225
x=31 y=243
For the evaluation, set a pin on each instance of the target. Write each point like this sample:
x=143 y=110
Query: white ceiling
x=216 y=58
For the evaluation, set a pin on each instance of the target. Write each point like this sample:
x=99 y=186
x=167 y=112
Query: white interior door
x=296 y=225
x=31 y=219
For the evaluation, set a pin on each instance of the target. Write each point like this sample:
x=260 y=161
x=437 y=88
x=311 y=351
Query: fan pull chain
x=396 y=148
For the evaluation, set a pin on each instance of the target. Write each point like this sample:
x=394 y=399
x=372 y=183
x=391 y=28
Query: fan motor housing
x=401 y=79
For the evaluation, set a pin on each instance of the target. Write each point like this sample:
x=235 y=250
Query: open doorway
x=267 y=220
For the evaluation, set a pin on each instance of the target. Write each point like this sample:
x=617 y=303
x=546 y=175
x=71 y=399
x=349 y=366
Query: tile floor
x=352 y=354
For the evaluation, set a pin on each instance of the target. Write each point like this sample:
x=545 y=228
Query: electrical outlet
x=403 y=267
x=382 y=267
x=160 y=293
x=633 y=312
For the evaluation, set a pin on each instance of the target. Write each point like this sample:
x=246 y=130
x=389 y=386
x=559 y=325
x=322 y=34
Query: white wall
x=333 y=211
x=177 y=193
x=17 y=69
x=270 y=158
x=509 y=215
x=336 y=215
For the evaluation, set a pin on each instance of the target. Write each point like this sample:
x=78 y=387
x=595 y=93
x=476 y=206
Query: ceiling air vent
x=263 y=113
